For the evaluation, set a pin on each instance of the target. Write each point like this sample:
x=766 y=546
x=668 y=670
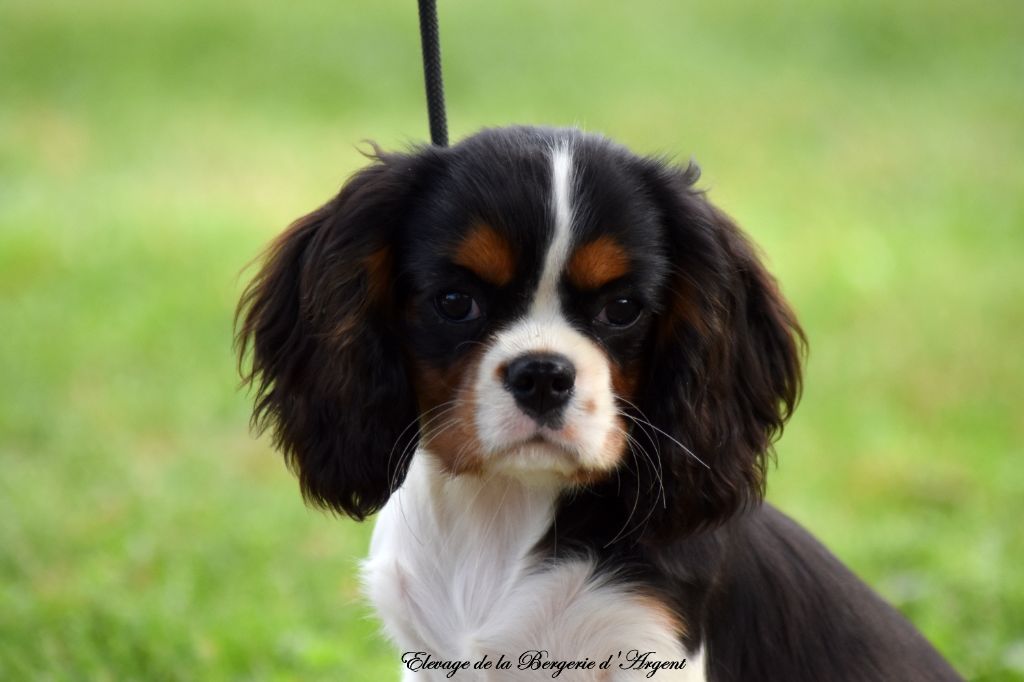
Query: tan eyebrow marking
x=596 y=263
x=487 y=254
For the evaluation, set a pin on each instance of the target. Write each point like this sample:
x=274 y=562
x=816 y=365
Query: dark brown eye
x=456 y=306
x=621 y=312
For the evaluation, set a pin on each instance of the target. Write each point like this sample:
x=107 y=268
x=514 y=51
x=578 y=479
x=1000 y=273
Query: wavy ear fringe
x=316 y=329
x=727 y=363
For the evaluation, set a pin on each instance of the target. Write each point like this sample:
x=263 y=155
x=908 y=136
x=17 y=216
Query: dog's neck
x=452 y=571
x=460 y=545
x=473 y=514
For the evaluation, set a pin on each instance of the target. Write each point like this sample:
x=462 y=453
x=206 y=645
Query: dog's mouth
x=556 y=447
x=539 y=454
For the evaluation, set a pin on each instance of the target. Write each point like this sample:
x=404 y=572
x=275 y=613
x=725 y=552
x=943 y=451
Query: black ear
x=726 y=353
x=326 y=362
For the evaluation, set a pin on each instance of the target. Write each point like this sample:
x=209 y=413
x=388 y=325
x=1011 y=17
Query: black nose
x=541 y=384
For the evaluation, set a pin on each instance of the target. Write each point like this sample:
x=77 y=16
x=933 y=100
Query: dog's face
x=531 y=282
x=534 y=303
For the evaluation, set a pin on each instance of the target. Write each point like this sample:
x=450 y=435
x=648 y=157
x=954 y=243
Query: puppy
x=556 y=370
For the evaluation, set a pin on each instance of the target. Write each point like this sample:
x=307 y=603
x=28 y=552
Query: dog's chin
x=535 y=460
x=542 y=461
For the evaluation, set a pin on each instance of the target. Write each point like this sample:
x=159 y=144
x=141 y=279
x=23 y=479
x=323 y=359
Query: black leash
x=431 y=39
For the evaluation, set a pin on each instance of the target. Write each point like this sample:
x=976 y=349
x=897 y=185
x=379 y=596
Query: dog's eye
x=622 y=312
x=457 y=306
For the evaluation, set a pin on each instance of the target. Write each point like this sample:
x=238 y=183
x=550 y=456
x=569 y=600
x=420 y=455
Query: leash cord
x=431 y=41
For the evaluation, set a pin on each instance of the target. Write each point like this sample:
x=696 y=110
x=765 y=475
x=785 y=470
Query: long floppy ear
x=326 y=361
x=726 y=353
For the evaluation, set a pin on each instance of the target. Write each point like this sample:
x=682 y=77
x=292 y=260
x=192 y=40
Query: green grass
x=148 y=151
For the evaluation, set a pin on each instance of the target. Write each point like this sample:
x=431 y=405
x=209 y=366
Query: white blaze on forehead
x=589 y=420
x=546 y=298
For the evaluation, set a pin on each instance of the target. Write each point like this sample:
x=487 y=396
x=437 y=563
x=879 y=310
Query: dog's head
x=534 y=303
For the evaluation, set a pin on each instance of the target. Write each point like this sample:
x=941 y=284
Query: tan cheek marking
x=450 y=432
x=487 y=254
x=615 y=445
x=613 y=451
x=501 y=372
x=623 y=380
x=623 y=386
x=596 y=263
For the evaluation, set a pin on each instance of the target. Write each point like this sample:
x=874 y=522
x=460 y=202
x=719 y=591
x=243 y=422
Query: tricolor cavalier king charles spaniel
x=556 y=370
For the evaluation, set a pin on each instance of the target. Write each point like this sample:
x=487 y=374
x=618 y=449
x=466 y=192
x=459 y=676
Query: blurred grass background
x=149 y=150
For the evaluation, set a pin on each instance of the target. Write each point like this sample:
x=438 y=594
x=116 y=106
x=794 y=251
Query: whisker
x=408 y=451
x=661 y=431
x=423 y=433
x=654 y=504
x=654 y=460
x=625 y=531
x=636 y=502
x=398 y=439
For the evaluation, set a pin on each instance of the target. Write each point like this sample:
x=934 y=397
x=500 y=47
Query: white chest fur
x=450 y=574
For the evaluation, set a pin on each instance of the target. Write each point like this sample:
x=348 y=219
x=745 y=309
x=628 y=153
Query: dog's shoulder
x=783 y=607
